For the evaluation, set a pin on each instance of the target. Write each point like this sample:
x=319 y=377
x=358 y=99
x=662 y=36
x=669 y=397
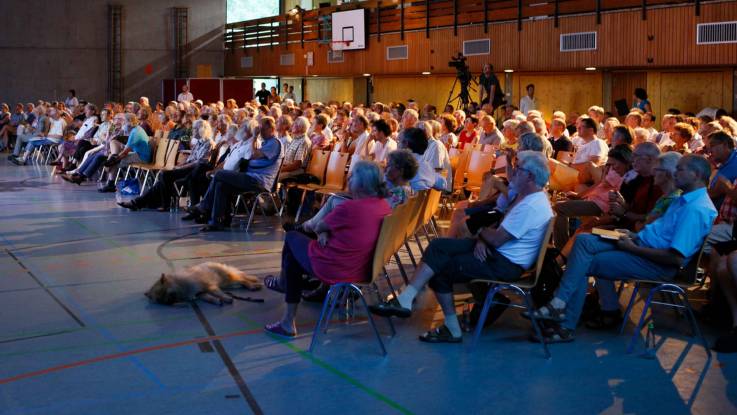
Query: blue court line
x=86 y=316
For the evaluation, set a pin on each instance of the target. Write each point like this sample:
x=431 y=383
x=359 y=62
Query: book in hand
x=607 y=234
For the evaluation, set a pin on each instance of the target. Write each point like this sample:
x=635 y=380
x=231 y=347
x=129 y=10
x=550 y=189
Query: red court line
x=134 y=352
x=124 y=354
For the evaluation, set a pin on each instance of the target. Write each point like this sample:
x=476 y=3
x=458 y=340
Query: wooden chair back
x=318 y=163
x=170 y=154
x=336 y=169
x=478 y=165
x=538 y=267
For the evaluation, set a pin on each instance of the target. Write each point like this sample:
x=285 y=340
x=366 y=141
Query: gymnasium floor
x=77 y=336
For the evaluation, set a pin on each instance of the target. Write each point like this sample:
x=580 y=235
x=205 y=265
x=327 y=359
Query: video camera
x=463 y=72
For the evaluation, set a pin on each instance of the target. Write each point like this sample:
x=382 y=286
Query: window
x=240 y=10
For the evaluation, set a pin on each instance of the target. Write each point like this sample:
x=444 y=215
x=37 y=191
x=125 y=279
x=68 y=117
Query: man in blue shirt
x=723 y=156
x=263 y=168
x=654 y=253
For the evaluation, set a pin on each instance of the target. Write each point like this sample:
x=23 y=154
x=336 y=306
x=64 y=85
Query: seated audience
x=258 y=176
x=654 y=253
x=501 y=253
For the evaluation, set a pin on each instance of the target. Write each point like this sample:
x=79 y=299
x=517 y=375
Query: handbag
x=127 y=190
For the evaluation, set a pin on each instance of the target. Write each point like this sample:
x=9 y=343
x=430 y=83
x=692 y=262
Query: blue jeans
x=223 y=186
x=20 y=141
x=592 y=255
x=38 y=142
x=92 y=164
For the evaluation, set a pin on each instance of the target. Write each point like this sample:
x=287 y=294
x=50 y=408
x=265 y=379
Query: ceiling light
x=314 y=75
x=367 y=74
x=509 y=70
x=273 y=77
x=426 y=73
x=590 y=68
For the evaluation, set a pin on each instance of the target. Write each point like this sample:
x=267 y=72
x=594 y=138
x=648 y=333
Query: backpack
x=550 y=276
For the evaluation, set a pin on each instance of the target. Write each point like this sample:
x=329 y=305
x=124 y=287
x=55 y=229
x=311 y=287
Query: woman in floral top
x=401 y=166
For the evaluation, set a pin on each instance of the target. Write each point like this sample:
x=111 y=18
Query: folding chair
x=340 y=292
x=256 y=197
x=479 y=164
x=527 y=282
x=334 y=176
x=675 y=296
x=166 y=157
x=317 y=165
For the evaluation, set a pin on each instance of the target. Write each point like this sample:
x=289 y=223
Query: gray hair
x=649 y=149
x=535 y=163
x=699 y=165
x=366 y=179
x=668 y=162
x=531 y=141
x=302 y=122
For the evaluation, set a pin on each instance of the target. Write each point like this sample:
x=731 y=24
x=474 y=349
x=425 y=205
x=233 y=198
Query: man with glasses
x=723 y=157
x=654 y=253
x=497 y=253
x=638 y=195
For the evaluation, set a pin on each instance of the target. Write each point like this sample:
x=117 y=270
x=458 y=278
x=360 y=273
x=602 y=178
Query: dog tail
x=233 y=275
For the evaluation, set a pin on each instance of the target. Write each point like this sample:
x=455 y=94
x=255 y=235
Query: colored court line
x=119 y=355
x=228 y=362
x=102 y=331
x=304 y=354
x=45 y=288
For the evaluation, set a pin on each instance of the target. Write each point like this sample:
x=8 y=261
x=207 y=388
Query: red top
x=466 y=137
x=354 y=228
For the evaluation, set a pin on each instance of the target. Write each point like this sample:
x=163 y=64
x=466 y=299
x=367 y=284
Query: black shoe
x=390 y=308
x=128 y=205
x=212 y=228
x=111 y=161
x=17 y=162
x=193 y=214
x=605 y=320
x=440 y=335
x=108 y=188
x=12 y=157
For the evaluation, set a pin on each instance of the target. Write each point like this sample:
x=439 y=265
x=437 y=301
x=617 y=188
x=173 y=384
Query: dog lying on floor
x=205 y=281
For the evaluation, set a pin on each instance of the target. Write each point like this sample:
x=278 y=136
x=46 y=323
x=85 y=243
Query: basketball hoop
x=340 y=45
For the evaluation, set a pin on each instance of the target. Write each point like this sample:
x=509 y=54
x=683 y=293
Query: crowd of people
x=666 y=190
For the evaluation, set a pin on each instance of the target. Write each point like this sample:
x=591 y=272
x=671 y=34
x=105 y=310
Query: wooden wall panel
x=622 y=35
x=423 y=89
x=328 y=89
x=564 y=92
x=693 y=91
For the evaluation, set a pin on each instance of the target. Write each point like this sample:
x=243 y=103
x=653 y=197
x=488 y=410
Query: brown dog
x=204 y=281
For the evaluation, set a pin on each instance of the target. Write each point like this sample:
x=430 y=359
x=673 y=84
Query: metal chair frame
x=522 y=288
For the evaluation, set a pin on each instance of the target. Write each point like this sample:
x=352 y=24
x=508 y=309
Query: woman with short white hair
x=344 y=248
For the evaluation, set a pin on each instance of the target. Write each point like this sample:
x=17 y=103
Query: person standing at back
x=263 y=94
x=528 y=102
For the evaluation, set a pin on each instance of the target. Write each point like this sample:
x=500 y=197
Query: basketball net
x=339 y=45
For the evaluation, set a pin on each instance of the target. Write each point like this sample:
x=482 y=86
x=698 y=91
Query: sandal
x=274 y=283
x=440 y=334
x=554 y=334
x=277 y=329
x=548 y=312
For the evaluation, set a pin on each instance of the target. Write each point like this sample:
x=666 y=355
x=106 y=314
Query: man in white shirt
x=593 y=149
x=185 y=95
x=383 y=143
x=54 y=136
x=528 y=102
x=363 y=144
x=427 y=176
x=501 y=253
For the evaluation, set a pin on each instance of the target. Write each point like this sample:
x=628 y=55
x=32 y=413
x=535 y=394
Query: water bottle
x=650 y=352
